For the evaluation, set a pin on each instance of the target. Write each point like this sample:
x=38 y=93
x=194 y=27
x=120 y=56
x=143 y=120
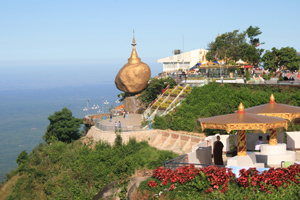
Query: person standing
x=218 y=151
x=116 y=125
x=258 y=143
x=110 y=117
x=120 y=127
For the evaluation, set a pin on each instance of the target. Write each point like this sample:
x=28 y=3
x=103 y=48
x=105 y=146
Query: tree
x=285 y=57
x=233 y=46
x=63 y=127
x=253 y=32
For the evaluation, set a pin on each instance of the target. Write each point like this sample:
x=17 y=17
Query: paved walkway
x=134 y=120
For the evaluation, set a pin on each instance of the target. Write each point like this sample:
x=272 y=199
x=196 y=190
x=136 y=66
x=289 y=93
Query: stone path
x=131 y=123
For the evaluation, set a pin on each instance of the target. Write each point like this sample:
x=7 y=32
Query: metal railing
x=182 y=161
x=118 y=129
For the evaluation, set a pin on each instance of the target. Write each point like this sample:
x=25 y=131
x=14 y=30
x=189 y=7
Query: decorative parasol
x=242 y=121
x=273 y=109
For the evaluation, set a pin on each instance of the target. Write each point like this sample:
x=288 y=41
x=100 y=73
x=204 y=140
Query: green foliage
x=121 y=96
x=74 y=171
x=233 y=46
x=22 y=157
x=10 y=174
x=252 y=32
x=268 y=76
x=247 y=75
x=160 y=123
x=214 y=99
x=280 y=78
x=154 y=88
x=118 y=140
x=63 y=127
x=284 y=57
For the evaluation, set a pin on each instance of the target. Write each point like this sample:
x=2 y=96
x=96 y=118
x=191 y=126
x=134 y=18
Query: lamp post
x=221 y=70
x=96 y=107
x=85 y=109
x=106 y=102
x=117 y=102
x=93 y=107
x=102 y=104
x=87 y=106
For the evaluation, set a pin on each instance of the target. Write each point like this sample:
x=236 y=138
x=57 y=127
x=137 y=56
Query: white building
x=183 y=61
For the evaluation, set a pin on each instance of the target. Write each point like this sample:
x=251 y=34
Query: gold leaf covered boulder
x=133 y=76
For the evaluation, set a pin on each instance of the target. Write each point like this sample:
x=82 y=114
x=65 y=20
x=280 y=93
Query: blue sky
x=99 y=33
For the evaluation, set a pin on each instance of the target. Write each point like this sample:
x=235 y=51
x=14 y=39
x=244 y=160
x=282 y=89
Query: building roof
x=193 y=57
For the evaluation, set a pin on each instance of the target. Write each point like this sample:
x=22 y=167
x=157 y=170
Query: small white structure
x=274 y=154
x=293 y=140
x=245 y=161
x=183 y=61
x=202 y=155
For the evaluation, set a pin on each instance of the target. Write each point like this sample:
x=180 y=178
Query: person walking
x=120 y=126
x=218 y=151
x=110 y=117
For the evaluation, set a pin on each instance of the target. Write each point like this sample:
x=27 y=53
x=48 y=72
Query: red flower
x=209 y=190
x=172 y=187
x=152 y=184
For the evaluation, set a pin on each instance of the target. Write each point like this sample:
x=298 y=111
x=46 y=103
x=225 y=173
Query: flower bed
x=214 y=181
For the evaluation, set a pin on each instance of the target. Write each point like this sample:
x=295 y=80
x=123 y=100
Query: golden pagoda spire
x=218 y=35
x=272 y=99
x=241 y=108
x=204 y=59
x=134 y=57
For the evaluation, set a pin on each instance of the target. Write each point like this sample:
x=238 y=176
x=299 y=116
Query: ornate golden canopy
x=242 y=121
x=273 y=109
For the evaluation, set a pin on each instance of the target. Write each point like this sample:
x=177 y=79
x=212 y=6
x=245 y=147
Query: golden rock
x=133 y=76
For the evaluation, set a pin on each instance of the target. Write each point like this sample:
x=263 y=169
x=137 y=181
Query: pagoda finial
x=134 y=57
x=272 y=99
x=133 y=40
x=241 y=109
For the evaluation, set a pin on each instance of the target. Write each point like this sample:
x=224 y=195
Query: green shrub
x=74 y=171
x=160 y=123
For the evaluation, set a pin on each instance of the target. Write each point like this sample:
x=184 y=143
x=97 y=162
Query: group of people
x=218 y=148
x=116 y=126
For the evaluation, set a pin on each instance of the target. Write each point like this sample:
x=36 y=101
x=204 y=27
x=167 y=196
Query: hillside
x=77 y=171
x=215 y=99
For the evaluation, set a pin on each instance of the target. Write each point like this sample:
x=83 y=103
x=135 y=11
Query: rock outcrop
x=132 y=104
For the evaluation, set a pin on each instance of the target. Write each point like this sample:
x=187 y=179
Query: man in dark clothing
x=218 y=151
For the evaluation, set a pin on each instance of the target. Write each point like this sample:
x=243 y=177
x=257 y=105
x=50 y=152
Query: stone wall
x=160 y=139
